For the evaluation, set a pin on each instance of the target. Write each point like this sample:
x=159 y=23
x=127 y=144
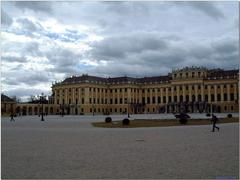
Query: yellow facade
x=188 y=89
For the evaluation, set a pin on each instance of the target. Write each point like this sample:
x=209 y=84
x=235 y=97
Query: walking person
x=214 y=121
x=12 y=119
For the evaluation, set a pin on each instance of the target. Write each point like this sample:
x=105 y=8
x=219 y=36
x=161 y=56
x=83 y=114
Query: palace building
x=191 y=89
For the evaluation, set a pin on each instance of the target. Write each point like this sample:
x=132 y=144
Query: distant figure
x=214 y=120
x=12 y=119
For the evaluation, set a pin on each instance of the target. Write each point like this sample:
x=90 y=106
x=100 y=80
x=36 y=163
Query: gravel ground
x=70 y=147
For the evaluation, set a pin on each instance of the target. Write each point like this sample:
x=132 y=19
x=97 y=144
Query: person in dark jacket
x=214 y=121
x=12 y=115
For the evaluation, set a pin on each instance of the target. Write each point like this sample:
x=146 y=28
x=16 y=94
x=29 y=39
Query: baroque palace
x=191 y=89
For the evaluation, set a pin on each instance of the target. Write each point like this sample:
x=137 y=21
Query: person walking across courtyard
x=12 y=119
x=214 y=121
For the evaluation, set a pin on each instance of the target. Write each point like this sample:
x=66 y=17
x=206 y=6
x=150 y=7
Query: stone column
x=235 y=91
x=184 y=93
x=161 y=95
x=209 y=94
x=190 y=93
x=167 y=100
x=178 y=97
x=228 y=92
x=202 y=94
x=150 y=96
x=215 y=93
x=222 y=94
x=156 y=96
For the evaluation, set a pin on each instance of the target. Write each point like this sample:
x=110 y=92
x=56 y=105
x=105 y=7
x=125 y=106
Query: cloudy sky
x=43 y=42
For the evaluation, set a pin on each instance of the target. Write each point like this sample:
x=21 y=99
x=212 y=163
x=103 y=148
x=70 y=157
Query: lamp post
x=41 y=99
x=127 y=102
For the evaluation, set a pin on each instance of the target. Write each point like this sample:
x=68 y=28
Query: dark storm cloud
x=35 y=6
x=208 y=8
x=6 y=20
x=116 y=47
x=63 y=60
x=12 y=58
x=24 y=91
x=128 y=60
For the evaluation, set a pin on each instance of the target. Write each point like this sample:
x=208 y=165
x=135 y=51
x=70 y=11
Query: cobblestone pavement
x=70 y=147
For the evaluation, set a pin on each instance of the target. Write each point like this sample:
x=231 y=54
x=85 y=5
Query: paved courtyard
x=70 y=147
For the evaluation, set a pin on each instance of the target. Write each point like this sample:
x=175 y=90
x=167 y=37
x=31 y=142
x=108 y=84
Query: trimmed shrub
x=125 y=121
x=108 y=119
x=208 y=114
x=229 y=115
x=183 y=118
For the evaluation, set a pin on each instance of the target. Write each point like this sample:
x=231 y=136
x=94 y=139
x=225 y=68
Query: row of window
x=147 y=90
x=147 y=100
x=187 y=74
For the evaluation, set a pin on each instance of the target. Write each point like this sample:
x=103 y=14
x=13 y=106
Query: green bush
x=108 y=119
x=125 y=121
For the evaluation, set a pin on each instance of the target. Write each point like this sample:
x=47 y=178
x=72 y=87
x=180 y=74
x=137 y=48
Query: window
x=153 y=100
x=159 y=99
x=125 y=89
x=175 y=98
x=148 y=100
x=116 y=100
x=225 y=96
x=199 y=74
x=115 y=90
x=199 y=87
x=212 y=97
x=186 y=74
x=187 y=88
x=218 y=97
x=193 y=98
x=232 y=97
x=121 y=101
x=164 y=99
x=169 y=98
x=181 y=98
x=206 y=98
